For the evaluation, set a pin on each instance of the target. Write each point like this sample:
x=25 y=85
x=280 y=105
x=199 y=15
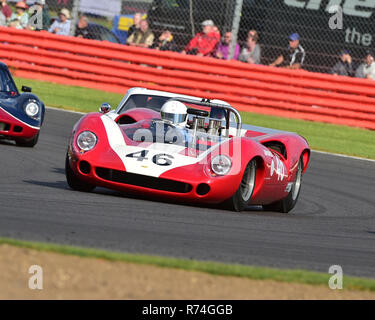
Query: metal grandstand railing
x=323 y=33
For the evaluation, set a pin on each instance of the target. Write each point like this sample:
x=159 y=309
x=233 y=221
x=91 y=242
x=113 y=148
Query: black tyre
x=73 y=181
x=242 y=197
x=28 y=143
x=287 y=204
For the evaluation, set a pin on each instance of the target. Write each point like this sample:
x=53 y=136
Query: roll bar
x=208 y=103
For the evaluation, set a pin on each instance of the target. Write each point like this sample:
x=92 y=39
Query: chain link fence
x=326 y=27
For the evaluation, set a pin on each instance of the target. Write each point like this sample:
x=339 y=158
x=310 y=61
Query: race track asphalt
x=333 y=223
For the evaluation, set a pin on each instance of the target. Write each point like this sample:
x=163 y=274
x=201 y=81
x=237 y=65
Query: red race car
x=21 y=115
x=181 y=147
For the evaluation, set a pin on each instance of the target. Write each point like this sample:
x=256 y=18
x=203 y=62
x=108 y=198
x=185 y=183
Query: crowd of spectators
x=206 y=43
x=21 y=18
x=346 y=67
x=209 y=43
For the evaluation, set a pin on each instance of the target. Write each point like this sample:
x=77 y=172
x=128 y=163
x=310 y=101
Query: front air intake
x=143 y=181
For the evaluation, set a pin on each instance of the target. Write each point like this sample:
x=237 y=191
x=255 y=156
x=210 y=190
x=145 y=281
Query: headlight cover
x=86 y=140
x=32 y=109
x=221 y=165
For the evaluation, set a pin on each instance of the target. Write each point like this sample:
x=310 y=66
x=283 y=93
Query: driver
x=174 y=112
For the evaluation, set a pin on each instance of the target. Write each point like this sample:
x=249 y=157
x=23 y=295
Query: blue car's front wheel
x=28 y=143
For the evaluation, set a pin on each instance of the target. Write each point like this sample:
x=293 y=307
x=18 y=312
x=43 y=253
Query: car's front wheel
x=28 y=143
x=244 y=193
x=287 y=204
x=73 y=181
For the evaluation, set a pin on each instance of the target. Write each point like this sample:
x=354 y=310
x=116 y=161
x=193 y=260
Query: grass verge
x=321 y=136
x=214 y=268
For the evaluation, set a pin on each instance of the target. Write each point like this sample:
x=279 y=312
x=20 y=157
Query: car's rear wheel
x=242 y=197
x=28 y=143
x=73 y=181
x=287 y=204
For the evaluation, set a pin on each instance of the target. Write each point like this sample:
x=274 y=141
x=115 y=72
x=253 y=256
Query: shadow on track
x=6 y=142
x=55 y=185
x=62 y=185
x=58 y=170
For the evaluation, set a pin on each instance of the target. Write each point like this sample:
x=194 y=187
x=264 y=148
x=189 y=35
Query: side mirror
x=26 y=89
x=105 y=108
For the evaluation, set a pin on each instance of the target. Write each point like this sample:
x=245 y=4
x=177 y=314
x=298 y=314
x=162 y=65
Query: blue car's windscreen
x=6 y=82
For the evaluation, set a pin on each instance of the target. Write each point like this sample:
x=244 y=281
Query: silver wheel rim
x=297 y=183
x=248 y=182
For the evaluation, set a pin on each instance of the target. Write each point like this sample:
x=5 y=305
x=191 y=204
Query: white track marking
x=316 y=151
x=343 y=156
x=63 y=110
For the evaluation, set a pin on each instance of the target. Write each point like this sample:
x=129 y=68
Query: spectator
x=294 y=56
x=20 y=18
x=343 y=67
x=3 y=20
x=137 y=21
x=46 y=19
x=62 y=25
x=222 y=51
x=367 y=69
x=205 y=42
x=143 y=37
x=216 y=30
x=165 y=42
x=251 y=53
x=6 y=9
x=83 y=29
x=360 y=71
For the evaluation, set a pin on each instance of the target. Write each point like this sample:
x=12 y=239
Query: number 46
x=161 y=159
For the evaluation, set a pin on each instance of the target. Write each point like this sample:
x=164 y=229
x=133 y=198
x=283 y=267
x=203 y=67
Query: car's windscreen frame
x=6 y=79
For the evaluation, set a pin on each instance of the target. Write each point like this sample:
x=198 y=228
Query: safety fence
x=253 y=88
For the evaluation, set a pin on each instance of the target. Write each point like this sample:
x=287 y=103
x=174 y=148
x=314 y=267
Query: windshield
x=156 y=102
x=191 y=143
x=6 y=82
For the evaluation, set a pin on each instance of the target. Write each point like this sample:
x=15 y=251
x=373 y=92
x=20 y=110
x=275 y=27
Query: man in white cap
x=205 y=42
x=62 y=25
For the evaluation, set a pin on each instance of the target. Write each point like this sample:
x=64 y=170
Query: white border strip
x=316 y=151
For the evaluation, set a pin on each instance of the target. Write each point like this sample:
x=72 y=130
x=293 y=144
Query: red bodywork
x=14 y=128
x=271 y=182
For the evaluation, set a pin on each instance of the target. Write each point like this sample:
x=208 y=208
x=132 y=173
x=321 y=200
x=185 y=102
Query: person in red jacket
x=205 y=42
x=6 y=9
